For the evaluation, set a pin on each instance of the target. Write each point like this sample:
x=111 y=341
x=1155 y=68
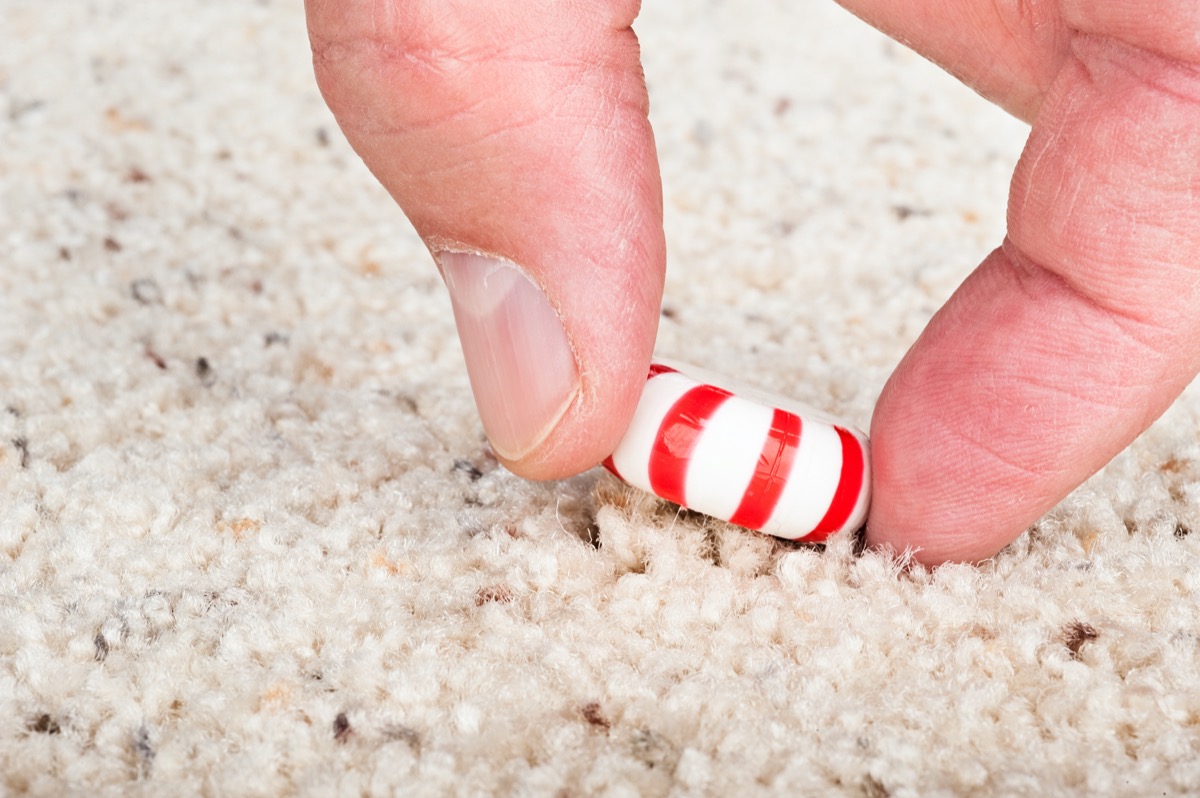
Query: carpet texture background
x=252 y=541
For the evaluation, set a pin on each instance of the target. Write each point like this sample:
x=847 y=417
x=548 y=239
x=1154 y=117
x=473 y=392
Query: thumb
x=515 y=138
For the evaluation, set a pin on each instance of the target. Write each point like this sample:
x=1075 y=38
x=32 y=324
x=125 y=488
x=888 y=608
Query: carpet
x=252 y=541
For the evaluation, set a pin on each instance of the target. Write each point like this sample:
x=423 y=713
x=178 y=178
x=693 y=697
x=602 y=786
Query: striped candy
x=757 y=461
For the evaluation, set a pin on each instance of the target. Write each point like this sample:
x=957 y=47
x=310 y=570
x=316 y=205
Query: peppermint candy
x=755 y=460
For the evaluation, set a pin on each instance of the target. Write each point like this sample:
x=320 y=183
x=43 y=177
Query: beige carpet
x=252 y=543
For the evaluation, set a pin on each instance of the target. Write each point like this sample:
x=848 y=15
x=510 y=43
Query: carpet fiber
x=252 y=541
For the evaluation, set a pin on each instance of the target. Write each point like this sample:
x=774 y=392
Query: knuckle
x=404 y=65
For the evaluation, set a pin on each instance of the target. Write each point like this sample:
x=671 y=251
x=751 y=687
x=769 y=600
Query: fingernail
x=522 y=369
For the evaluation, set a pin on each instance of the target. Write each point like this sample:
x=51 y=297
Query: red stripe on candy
x=771 y=473
x=677 y=437
x=848 y=489
x=612 y=467
x=659 y=368
x=655 y=370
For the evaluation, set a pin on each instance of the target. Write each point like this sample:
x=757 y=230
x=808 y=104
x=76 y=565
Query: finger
x=1070 y=339
x=1009 y=52
x=1168 y=29
x=514 y=136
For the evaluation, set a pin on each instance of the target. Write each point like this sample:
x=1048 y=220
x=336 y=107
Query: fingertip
x=556 y=362
x=954 y=466
x=586 y=433
x=936 y=549
x=916 y=513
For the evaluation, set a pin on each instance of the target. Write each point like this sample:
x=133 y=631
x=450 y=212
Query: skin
x=520 y=129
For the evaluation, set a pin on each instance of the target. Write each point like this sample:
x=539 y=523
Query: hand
x=516 y=133
x=1082 y=327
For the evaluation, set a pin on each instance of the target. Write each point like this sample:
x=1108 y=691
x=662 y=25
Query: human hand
x=1081 y=328
x=516 y=133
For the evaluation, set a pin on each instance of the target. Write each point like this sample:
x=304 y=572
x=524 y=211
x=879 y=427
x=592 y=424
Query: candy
x=754 y=460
